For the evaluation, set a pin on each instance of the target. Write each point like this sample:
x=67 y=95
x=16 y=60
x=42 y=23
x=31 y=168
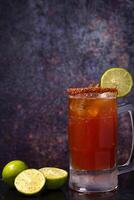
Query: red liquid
x=92 y=133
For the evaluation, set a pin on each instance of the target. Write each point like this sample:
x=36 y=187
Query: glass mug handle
x=129 y=165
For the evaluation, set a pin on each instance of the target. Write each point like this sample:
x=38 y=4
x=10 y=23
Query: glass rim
x=91 y=90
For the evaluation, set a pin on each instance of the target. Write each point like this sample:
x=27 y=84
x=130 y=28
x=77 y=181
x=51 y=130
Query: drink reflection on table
x=12 y=194
x=94 y=196
x=53 y=195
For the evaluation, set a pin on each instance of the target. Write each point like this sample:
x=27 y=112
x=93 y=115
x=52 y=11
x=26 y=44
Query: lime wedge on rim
x=119 y=78
x=55 y=177
x=30 y=181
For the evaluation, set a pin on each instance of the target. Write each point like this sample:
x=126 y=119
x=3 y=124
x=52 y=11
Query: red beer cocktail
x=92 y=128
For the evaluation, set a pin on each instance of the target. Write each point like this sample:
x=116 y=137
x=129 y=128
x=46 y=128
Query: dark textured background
x=47 y=46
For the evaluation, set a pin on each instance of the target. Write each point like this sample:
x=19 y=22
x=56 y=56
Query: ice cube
x=93 y=112
x=78 y=106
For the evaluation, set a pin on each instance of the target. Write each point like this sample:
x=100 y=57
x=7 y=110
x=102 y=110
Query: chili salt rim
x=73 y=91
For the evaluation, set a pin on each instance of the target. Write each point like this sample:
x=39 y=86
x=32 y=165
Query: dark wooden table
x=125 y=191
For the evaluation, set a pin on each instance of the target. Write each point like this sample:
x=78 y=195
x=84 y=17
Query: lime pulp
x=30 y=181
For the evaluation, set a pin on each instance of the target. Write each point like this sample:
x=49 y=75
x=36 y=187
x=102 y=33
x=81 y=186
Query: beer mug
x=93 y=139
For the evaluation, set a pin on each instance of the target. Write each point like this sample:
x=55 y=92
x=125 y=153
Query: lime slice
x=11 y=170
x=30 y=181
x=55 y=177
x=119 y=78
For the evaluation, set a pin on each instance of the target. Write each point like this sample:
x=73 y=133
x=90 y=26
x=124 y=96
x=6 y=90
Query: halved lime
x=55 y=177
x=119 y=78
x=30 y=181
x=11 y=170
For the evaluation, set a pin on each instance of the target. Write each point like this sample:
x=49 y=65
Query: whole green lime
x=11 y=170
